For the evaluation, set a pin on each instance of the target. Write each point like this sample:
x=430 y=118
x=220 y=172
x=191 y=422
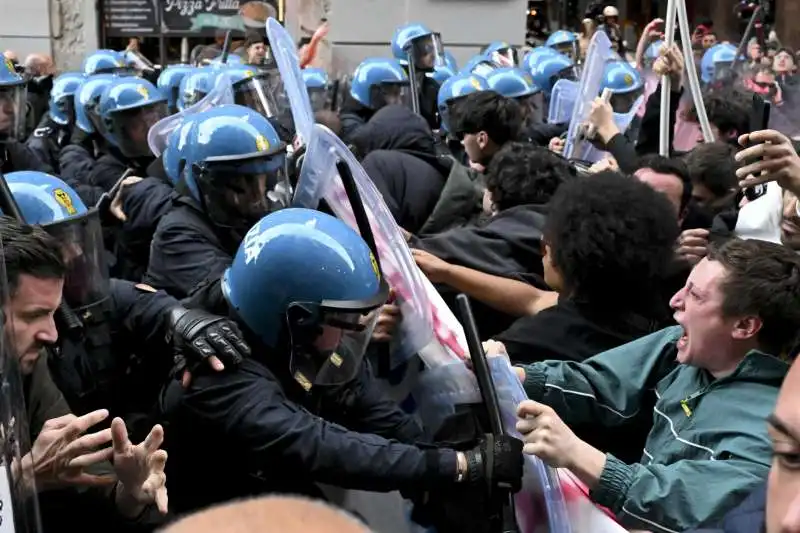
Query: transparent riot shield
x=562 y=102
x=19 y=507
x=221 y=93
x=785 y=113
x=283 y=48
x=319 y=179
x=585 y=151
x=598 y=53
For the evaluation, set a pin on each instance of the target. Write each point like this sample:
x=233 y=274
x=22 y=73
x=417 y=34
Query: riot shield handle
x=480 y=367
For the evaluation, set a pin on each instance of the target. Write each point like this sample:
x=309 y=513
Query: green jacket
x=459 y=202
x=708 y=447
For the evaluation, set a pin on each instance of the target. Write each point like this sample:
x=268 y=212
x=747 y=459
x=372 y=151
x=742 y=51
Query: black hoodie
x=402 y=160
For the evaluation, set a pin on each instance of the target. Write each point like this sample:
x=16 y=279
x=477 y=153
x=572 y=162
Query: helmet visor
x=567 y=73
x=426 y=52
x=483 y=68
x=568 y=49
x=505 y=57
x=12 y=112
x=332 y=352
x=86 y=283
x=64 y=110
x=723 y=70
x=622 y=102
x=131 y=126
x=319 y=98
x=239 y=193
x=533 y=107
x=383 y=94
x=257 y=94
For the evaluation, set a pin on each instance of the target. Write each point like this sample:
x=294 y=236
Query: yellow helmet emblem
x=375 y=267
x=10 y=65
x=475 y=83
x=628 y=79
x=262 y=144
x=141 y=89
x=249 y=73
x=65 y=201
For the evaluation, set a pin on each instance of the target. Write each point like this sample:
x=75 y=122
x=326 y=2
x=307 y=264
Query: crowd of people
x=187 y=348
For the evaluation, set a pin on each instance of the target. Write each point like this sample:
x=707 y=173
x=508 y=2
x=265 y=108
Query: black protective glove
x=198 y=335
x=497 y=461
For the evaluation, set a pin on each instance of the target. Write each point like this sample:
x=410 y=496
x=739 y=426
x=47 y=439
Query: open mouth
x=682 y=342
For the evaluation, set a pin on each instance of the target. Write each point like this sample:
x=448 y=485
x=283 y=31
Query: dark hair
x=608 y=231
x=728 y=109
x=713 y=166
x=28 y=250
x=521 y=173
x=762 y=279
x=676 y=167
x=252 y=37
x=498 y=116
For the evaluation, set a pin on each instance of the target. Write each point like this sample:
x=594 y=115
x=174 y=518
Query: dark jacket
x=402 y=161
x=187 y=249
x=353 y=115
x=144 y=204
x=76 y=163
x=570 y=332
x=47 y=140
x=460 y=202
x=17 y=157
x=277 y=438
x=507 y=245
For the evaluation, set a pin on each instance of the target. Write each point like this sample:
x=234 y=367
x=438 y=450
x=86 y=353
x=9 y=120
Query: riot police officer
x=14 y=155
x=305 y=409
x=55 y=129
x=233 y=172
x=420 y=49
x=112 y=351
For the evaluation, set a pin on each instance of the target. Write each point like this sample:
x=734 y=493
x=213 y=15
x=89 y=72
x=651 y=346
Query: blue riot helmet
x=417 y=43
x=716 y=63
x=563 y=41
x=46 y=200
x=128 y=109
x=194 y=86
x=378 y=82
x=305 y=284
x=169 y=83
x=105 y=62
x=533 y=57
x=256 y=89
x=625 y=83
x=551 y=68
x=87 y=98
x=502 y=54
x=652 y=53
x=62 y=97
x=234 y=166
x=13 y=103
x=517 y=84
x=479 y=65
x=454 y=90
x=317 y=83
x=450 y=60
x=441 y=74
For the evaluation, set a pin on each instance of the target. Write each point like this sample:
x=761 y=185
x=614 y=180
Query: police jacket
x=93 y=361
x=353 y=115
x=76 y=163
x=187 y=249
x=47 y=140
x=16 y=156
x=268 y=435
x=144 y=204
